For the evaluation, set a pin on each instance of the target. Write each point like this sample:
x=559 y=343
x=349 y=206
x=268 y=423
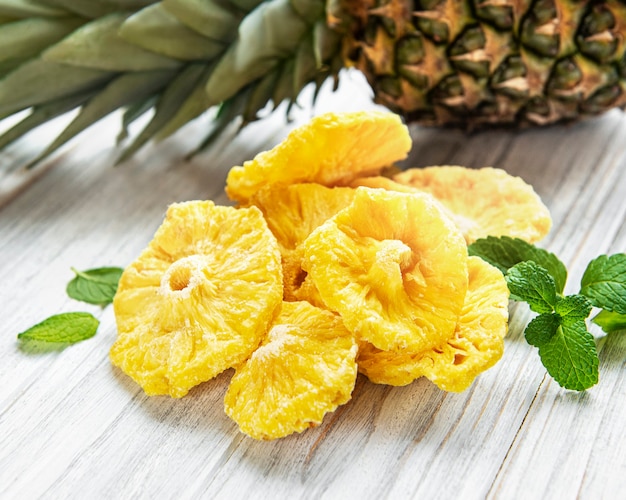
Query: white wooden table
x=72 y=426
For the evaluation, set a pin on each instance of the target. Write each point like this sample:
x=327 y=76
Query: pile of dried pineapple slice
x=333 y=263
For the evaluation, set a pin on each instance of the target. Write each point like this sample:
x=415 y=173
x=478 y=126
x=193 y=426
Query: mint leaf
x=610 y=321
x=570 y=357
x=541 y=329
x=95 y=286
x=504 y=252
x=529 y=282
x=573 y=308
x=65 y=328
x=604 y=282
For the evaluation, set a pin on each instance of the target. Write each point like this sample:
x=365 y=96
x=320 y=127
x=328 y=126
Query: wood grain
x=72 y=426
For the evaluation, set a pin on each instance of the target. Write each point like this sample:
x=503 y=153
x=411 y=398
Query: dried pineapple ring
x=292 y=213
x=304 y=369
x=476 y=346
x=484 y=202
x=393 y=266
x=331 y=149
x=198 y=299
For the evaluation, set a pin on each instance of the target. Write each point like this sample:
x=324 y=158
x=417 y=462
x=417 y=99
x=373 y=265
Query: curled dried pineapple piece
x=292 y=213
x=477 y=343
x=393 y=266
x=199 y=299
x=483 y=202
x=304 y=369
x=331 y=149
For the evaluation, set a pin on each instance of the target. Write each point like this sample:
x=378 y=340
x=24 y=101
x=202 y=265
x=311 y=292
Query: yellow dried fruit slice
x=476 y=345
x=393 y=266
x=331 y=149
x=198 y=299
x=292 y=213
x=304 y=369
x=484 y=202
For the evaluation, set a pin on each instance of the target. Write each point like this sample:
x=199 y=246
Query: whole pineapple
x=467 y=63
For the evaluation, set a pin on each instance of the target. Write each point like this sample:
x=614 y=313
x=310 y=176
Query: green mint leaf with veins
x=95 y=286
x=542 y=328
x=531 y=283
x=66 y=328
x=571 y=358
x=610 y=321
x=573 y=308
x=504 y=252
x=604 y=283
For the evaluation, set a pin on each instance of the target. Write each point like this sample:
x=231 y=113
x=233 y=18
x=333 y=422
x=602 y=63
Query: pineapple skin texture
x=473 y=64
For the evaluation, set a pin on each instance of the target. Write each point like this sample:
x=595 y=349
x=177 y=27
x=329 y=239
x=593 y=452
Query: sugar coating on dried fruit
x=331 y=149
x=393 y=266
x=484 y=202
x=199 y=298
x=304 y=369
x=292 y=213
x=477 y=344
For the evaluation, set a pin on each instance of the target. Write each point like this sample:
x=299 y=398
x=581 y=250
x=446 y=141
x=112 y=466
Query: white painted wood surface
x=72 y=426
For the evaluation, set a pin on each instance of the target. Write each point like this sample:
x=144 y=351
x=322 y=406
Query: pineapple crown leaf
x=157 y=30
x=121 y=91
x=265 y=37
x=22 y=9
x=214 y=19
x=135 y=54
x=98 y=45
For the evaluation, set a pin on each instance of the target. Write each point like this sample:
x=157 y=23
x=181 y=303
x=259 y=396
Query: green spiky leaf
x=22 y=9
x=29 y=85
x=180 y=91
x=207 y=17
x=43 y=113
x=120 y=92
x=98 y=45
x=28 y=37
x=266 y=36
x=157 y=30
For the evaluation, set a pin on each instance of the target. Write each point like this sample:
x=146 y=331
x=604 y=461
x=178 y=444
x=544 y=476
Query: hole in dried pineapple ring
x=183 y=275
x=180 y=278
x=395 y=251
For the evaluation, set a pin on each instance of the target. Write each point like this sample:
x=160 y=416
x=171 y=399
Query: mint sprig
x=529 y=282
x=504 y=252
x=566 y=347
x=95 y=286
x=604 y=282
x=610 y=321
x=65 y=328
x=570 y=357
